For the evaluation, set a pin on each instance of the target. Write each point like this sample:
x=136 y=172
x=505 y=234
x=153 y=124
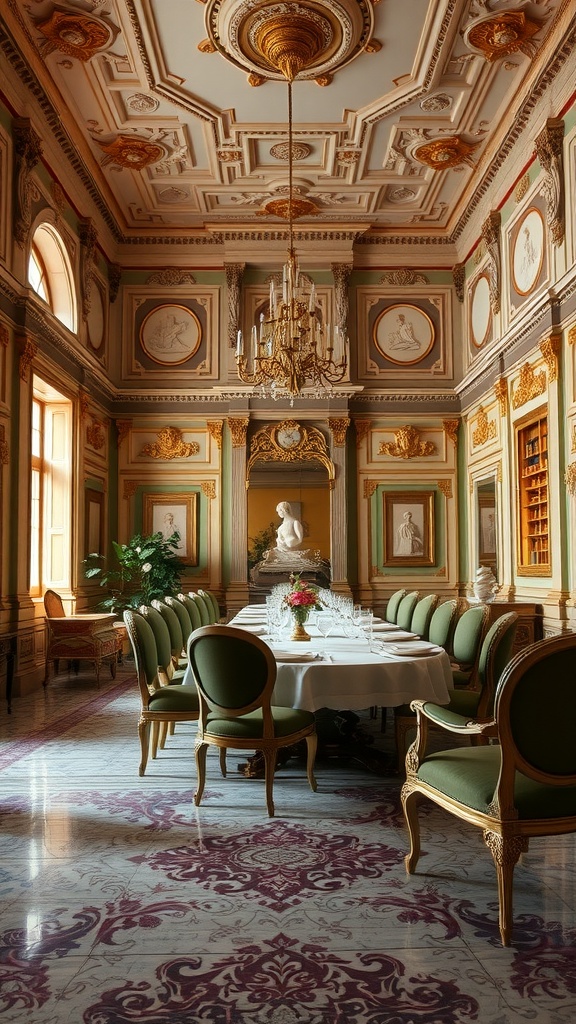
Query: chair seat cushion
x=175 y=698
x=470 y=774
x=246 y=727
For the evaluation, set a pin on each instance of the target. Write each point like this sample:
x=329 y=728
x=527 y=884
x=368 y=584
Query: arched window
x=50 y=274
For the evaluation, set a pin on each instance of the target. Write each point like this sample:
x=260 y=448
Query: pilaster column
x=338 y=518
x=238 y=587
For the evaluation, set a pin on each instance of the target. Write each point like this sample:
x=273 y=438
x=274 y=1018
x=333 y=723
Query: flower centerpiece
x=301 y=599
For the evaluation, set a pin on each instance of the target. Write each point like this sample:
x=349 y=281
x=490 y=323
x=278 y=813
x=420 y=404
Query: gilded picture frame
x=168 y=513
x=170 y=334
x=527 y=254
x=480 y=311
x=404 y=334
x=487 y=530
x=408 y=528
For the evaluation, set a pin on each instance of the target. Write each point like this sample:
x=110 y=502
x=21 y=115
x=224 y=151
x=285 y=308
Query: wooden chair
x=520 y=786
x=235 y=674
x=83 y=637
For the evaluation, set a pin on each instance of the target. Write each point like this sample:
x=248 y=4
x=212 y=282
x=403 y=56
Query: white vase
x=485 y=584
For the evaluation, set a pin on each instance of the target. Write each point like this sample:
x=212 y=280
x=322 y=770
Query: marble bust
x=289 y=537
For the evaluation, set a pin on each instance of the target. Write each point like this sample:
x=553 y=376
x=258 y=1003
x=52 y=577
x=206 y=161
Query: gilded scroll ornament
x=550 y=349
x=95 y=435
x=208 y=488
x=450 y=428
x=27 y=153
x=170 y=445
x=572 y=335
x=28 y=350
x=234 y=275
x=339 y=428
x=491 y=237
x=522 y=186
x=123 y=428
x=403 y=277
x=570 y=479
x=530 y=385
x=442 y=154
x=171 y=277
x=501 y=35
x=77 y=35
x=130 y=488
x=501 y=393
x=238 y=428
x=485 y=429
x=446 y=487
x=550 y=149
x=459 y=276
x=370 y=488
x=214 y=428
x=407 y=445
x=363 y=428
x=290 y=441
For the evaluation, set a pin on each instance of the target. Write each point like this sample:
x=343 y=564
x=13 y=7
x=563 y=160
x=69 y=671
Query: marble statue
x=289 y=537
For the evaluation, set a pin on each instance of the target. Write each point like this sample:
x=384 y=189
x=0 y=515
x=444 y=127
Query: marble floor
x=121 y=902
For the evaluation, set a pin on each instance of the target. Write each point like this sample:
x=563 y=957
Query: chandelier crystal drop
x=291 y=348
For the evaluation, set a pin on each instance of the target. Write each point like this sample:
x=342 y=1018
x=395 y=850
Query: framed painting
x=404 y=334
x=487 y=530
x=174 y=513
x=480 y=311
x=408 y=528
x=170 y=334
x=93 y=522
x=528 y=251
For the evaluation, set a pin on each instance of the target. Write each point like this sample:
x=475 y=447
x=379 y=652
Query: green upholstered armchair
x=466 y=644
x=393 y=605
x=161 y=705
x=406 y=610
x=235 y=675
x=520 y=786
x=422 y=615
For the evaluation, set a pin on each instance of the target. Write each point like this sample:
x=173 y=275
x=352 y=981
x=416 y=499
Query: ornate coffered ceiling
x=402 y=112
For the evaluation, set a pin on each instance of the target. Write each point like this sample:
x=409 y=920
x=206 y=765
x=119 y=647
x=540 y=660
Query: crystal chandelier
x=291 y=348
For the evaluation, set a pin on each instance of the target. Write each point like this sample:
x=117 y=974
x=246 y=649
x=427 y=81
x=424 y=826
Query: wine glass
x=325 y=625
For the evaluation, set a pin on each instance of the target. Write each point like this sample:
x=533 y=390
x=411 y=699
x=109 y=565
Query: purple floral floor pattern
x=122 y=902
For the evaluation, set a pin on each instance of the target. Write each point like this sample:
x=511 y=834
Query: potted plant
x=146 y=568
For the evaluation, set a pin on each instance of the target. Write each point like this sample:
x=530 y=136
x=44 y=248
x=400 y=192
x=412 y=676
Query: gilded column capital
x=370 y=488
x=501 y=393
x=459 y=276
x=363 y=428
x=238 y=429
x=208 y=488
x=214 y=428
x=491 y=237
x=28 y=350
x=446 y=487
x=123 y=427
x=450 y=428
x=550 y=150
x=550 y=349
x=339 y=427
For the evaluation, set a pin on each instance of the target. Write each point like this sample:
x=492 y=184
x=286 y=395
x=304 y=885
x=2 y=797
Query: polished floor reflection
x=121 y=902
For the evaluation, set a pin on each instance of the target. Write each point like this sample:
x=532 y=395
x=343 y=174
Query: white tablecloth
x=353 y=678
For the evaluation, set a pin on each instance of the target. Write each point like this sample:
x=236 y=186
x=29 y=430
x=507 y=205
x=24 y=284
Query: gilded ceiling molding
x=238 y=428
x=446 y=487
x=485 y=429
x=88 y=238
x=570 y=479
x=28 y=350
x=363 y=428
x=4 y=449
x=459 y=277
x=550 y=149
x=501 y=393
x=114 y=279
x=407 y=445
x=403 y=277
x=170 y=445
x=123 y=427
x=550 y=349
x=75 y=34
x=130 y=151
x=341 y=273
x=205 y=46
x=339 y=426
x=27 y=153
x=348 y=156
x=130 y=488
x=95 y=435
x=491 y=236
x=208 y=488
x=496 y=36
x=170 y=277
x=234 y=275
x=450 y=428
x=530 y=385
x=214 y=428
x=443 y=154
x=521 y=188
x=370 y=487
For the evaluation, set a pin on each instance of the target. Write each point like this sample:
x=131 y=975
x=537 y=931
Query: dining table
x=352 y=673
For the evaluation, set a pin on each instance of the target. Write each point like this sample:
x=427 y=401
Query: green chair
x=192 y=609
x=406 y=610
x=393 y=604
x=210 y=598
x=422 y=615
x=466 y=644
x=167 y=671
x=175 y=629
x=161 y=705
x=183 y=617
x=235 y=674
x=520 y=786
x=442 y=624
x=205 y=609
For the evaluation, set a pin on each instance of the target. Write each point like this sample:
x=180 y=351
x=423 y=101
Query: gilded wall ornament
x=570 y=479
x=28 y=350
x=229 y=156
x=450 y=428
x=114 y=279
x=77 y=35
x=521 y=188
x=363 y=428
x=95 y=435
x=4 y=335
x=485 y=429
x=281 y=151
x=550 y=349
x=208 y=488
x=572 y=335
x=238 y=428
x=123 y=428
x=496 y=37
x=341 y=273
x=130 y=488
x=170 y=445
x=501 y=393
x=491 y=238
x=442 y=154
x=348 y=156
x=370 y=487
x=290 y=441
x=407 y=445
x=446 y=487
x=83 y=404
x=403 y=277
x=27 y=153
x=4 y=449
x=215 y=429
x=171 y=277
x=339 y=427
x=550 y=150
x=88 y=239
x=530 y=385
x=131 y=152
x=459 y=277
x=234 y=274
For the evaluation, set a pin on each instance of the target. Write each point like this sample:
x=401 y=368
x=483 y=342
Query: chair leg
x=154 y=739
x=410 y=806
x=200 y=756
x=505 y=853
x=143 y=735
x=269 y=769
x=163 y=734
x=223 y=761
x=311 y=745
x=402 y=726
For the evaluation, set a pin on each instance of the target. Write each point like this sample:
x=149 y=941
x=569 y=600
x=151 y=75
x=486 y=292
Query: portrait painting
x=409 y=528
x=170 y=334
x=528 y=252
x=174 y=513
x=487 y=536
x=404 y=334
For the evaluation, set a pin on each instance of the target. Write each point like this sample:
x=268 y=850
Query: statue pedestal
x=266 y=575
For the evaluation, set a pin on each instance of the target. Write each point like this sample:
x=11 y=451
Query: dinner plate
x=385 y=627
x=411 y=650
x=291 y=656
x=401 y=635
x=257 y=630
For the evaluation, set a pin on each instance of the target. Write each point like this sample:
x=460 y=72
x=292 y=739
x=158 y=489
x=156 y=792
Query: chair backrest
x=234 y=672
x=206 y=613
x=495 y=655
x=468 y=635
x=393 y=604
x=422 y=615
x=442 y=624
x=162 y=638
x=192 y=609
x=53 y=605
x=210 y=599
x=406 y=610
x=181 y=611
x=535 y=710
x=143 y=644
x=174 y=628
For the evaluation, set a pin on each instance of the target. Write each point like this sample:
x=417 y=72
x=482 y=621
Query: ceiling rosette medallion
x=501 y=35
x=442 y=154
x=299 y=38
x=77 y=35
x=131 y=152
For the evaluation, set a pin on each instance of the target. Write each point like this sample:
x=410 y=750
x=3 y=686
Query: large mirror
x=487 y=524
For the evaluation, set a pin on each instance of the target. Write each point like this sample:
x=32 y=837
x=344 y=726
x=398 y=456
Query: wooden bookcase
x=534 y=509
